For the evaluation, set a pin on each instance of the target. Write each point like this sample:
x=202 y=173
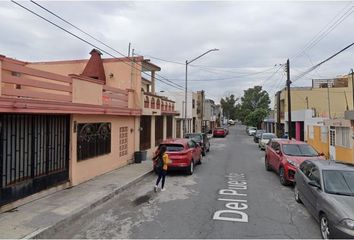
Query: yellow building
x=318 y=115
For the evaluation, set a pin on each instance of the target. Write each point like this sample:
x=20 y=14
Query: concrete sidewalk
x=40 y=218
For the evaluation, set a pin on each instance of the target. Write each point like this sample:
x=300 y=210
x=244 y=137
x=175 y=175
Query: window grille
x=93 y=139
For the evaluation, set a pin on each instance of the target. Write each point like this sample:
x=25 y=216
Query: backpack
x=159 y=162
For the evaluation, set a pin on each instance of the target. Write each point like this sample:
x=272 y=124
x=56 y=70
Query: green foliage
x=254 y=106
x=228 y=106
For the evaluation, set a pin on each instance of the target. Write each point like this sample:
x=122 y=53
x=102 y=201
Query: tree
x=228 y=106
x=255 y=118
x=254 y=106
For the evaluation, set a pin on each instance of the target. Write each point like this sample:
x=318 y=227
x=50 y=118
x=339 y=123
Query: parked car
x=251 y=131
x=226 y=129
x=202 y=139
x=284 y=157
x=258 y=135
x=219 y=132
x=326 y=188
x=183 y=154
x=264 y=139
x=231 y=122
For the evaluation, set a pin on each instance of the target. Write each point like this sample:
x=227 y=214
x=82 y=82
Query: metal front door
x=332 y=143
x=34 y=154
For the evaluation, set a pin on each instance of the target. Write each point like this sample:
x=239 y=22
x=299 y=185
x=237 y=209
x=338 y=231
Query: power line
x=91 y=44
x=319 y=64
x=82 y=31
x=326 y=30
x=226 y=78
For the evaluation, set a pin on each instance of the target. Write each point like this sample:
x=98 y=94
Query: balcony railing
x=23 y=88
x=155 y=104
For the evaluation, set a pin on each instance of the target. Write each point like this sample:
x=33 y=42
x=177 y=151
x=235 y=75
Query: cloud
x=251 y=36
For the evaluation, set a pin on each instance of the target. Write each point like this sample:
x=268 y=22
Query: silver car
x=264 y=140
x=326 y=188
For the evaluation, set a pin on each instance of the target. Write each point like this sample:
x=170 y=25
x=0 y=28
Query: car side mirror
x=314 y=184
x=322 y=154
x=278 y=152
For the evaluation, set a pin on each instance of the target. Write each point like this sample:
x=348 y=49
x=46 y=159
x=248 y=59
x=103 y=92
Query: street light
x=185 y=91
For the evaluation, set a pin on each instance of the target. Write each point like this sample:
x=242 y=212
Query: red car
x=219 y=132
x=284 y=157
x=183 y=154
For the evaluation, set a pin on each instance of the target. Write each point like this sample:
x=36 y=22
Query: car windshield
x=174 y=147
x=268 y=136
x=299 y=150
x=339 y=182
x=196 y=137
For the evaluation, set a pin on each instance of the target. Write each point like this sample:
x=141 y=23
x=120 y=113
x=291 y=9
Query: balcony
x=25 y=89
x=157 y=105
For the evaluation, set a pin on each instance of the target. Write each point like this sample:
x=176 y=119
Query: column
x=136 y=134
x=153 y=82
x=152 y=127
x=164 y=128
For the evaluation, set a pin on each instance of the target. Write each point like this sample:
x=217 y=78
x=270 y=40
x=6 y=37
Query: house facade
x=318 y=115
x=65 y=122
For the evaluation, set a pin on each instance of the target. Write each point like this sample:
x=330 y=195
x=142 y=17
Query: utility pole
x=288 y=82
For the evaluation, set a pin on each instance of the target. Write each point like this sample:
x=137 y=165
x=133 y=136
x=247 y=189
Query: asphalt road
x=233 y=170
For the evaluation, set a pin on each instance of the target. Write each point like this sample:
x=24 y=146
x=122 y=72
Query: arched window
x=158 y=104
x=146 y=102
x=153 y=103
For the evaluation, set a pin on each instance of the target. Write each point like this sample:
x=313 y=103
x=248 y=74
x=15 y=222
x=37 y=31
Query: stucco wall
x=316 y=142
x=87 y=169
x=344 y=154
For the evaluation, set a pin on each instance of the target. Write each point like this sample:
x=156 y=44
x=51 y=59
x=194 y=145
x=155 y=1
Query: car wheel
x=266 y=162
x=282 y=177
x=190 y=169
x=324 y=226
x=297 y=194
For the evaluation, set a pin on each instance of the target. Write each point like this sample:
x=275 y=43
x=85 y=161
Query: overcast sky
x=254 y=38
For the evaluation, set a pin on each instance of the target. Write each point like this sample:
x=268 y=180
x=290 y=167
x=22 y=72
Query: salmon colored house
x=65 y=122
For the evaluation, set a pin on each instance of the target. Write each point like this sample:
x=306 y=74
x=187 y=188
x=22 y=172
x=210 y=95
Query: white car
x=252 y=131
x=231 y=122
x=264 y=140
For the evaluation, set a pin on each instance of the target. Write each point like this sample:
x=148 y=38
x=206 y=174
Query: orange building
x=65 y=122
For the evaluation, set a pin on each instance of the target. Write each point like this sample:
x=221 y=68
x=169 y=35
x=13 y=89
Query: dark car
x=202 y=139
x=258 y=134
x=326 y=188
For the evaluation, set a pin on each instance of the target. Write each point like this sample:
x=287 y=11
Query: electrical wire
x=327 y=29
x=172 y=84
x=319 y=64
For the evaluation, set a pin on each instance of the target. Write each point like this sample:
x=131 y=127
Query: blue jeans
x=162 y=175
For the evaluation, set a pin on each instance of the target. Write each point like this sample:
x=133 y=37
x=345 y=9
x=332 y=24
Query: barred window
x=93 y=139
x=123 y=141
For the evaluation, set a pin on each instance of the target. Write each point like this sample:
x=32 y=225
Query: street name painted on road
x=234 y=196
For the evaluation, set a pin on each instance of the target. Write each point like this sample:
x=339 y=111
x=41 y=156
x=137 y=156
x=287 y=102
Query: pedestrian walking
x=162 y=160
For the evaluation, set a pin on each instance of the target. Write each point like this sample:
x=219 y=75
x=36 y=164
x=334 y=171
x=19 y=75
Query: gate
x=145 y=133
x=34 y=154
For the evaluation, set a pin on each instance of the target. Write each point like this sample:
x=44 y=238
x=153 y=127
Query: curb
x=50 y=230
